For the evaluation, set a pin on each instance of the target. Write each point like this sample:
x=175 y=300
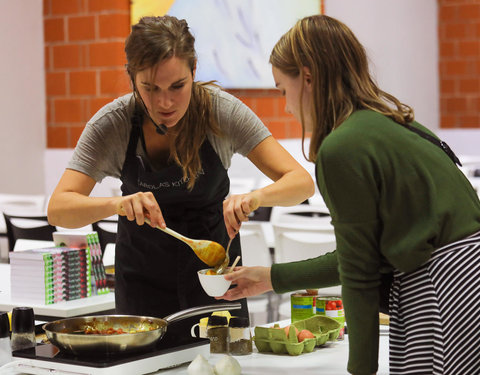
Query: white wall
x=22 y=97
x=401 y=40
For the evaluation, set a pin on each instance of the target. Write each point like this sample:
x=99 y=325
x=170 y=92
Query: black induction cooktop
x=49 y=352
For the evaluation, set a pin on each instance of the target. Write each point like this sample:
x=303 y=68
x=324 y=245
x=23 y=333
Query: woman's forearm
x=292 y=188
x=74 y=210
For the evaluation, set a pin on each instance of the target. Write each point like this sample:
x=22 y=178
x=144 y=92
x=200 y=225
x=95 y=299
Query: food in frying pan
x=97 y=327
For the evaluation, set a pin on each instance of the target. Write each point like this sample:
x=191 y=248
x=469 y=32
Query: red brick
x=56 y=83
x=455 y=30
x=57 y=137
x=49 y=111
x=66 y=56
x=455 y=68
x=114 y=25
x=477 y=29
x=75 y=133
x=453 y=105
x=447 y=86
x=277 y=128
x=447 y=121
x=108 y=5
x=447 y=13
x=83 y=83
x=54 y=30
x=47 y=58
x=248 y=102
x=96 y=103
x=114 y=82
x=294 y=129
x=470 y=85
x=81 y=28
x=469 y=48
x=281 y=104
x=469 y=11
x=266 y=107
x=469 y=121
x=47 y=7
x=106 y=54
x=68 y=110
x=65 y=6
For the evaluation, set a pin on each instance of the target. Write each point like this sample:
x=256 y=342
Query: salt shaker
x=217 y=332
x=240 y=336
x=23 y=328
x=5 y=349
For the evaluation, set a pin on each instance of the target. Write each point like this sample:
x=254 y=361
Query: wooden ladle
x=209 y=252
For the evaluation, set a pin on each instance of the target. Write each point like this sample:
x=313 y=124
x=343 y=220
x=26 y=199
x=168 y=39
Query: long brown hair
x=152 y=41
x=341 y=78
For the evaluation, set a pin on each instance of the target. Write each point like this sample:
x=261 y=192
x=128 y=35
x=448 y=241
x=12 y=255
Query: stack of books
x=50 y=275
x=91 y=242
x=71 y=270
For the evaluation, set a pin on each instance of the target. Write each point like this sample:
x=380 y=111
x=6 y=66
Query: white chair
x=19 y=204
x=295 y=246
x=109 y=255
x=255 y=252
x=240 y=185
x=302 y=213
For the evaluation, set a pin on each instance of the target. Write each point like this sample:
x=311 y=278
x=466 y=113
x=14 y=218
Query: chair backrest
x=27 y=227
x=255 y=251
x=294 y=246
x=107 y=232
x=302 y=213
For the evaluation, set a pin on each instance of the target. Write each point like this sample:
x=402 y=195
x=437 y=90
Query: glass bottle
x=240 y=336
x=217 y=332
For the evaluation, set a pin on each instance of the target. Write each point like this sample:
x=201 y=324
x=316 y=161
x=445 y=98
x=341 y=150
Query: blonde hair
x=341 y=78
x=152 y=41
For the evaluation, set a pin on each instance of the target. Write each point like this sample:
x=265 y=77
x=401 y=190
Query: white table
x=65 y=309
x=330 y=359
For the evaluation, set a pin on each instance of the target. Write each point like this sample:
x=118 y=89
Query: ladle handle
x=171 y=232
x=198 y=310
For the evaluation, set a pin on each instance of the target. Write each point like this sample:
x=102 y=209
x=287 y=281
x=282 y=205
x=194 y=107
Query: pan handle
x=198 y=310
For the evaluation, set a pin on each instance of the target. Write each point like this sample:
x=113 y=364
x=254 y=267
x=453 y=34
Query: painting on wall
x=233 y=38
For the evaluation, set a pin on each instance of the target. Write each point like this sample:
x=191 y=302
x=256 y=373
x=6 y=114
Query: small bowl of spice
x=213 y=284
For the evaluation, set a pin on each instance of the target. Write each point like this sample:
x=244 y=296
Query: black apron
x=155 y=273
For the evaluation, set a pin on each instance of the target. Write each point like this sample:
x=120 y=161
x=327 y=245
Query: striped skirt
x=435 y=313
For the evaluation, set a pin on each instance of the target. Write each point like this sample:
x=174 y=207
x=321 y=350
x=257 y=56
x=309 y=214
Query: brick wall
x=85 y=69
x=459 y=59
x=84 y=62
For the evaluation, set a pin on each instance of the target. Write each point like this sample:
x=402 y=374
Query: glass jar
x=240 y=336
x=217 y=332
x=23 y=328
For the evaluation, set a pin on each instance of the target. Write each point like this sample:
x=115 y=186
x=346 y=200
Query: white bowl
x=214 y=285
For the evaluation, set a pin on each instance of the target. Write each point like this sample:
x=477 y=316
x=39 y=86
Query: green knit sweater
x=394 y=197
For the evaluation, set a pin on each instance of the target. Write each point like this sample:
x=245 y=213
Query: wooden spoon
x=209 y=252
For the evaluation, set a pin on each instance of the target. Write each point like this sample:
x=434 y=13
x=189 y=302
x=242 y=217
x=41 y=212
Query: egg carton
x=274 y=339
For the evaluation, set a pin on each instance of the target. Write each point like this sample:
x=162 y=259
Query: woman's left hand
x=236 y=209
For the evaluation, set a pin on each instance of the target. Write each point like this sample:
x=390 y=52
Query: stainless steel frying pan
x=69 y=334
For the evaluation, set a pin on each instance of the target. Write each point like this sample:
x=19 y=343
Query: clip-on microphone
x=160 y=129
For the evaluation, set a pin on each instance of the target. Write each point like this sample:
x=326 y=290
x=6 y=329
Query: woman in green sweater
x=399 y=206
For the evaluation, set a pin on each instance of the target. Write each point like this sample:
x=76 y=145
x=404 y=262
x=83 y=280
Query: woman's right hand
x=140 y=205
x=250 y=281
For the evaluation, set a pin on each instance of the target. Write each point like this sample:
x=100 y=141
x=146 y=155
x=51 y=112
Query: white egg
x=200 y=366
x=228 y=365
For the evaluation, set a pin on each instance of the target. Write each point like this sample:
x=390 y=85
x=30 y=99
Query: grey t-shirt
x=102 y=147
